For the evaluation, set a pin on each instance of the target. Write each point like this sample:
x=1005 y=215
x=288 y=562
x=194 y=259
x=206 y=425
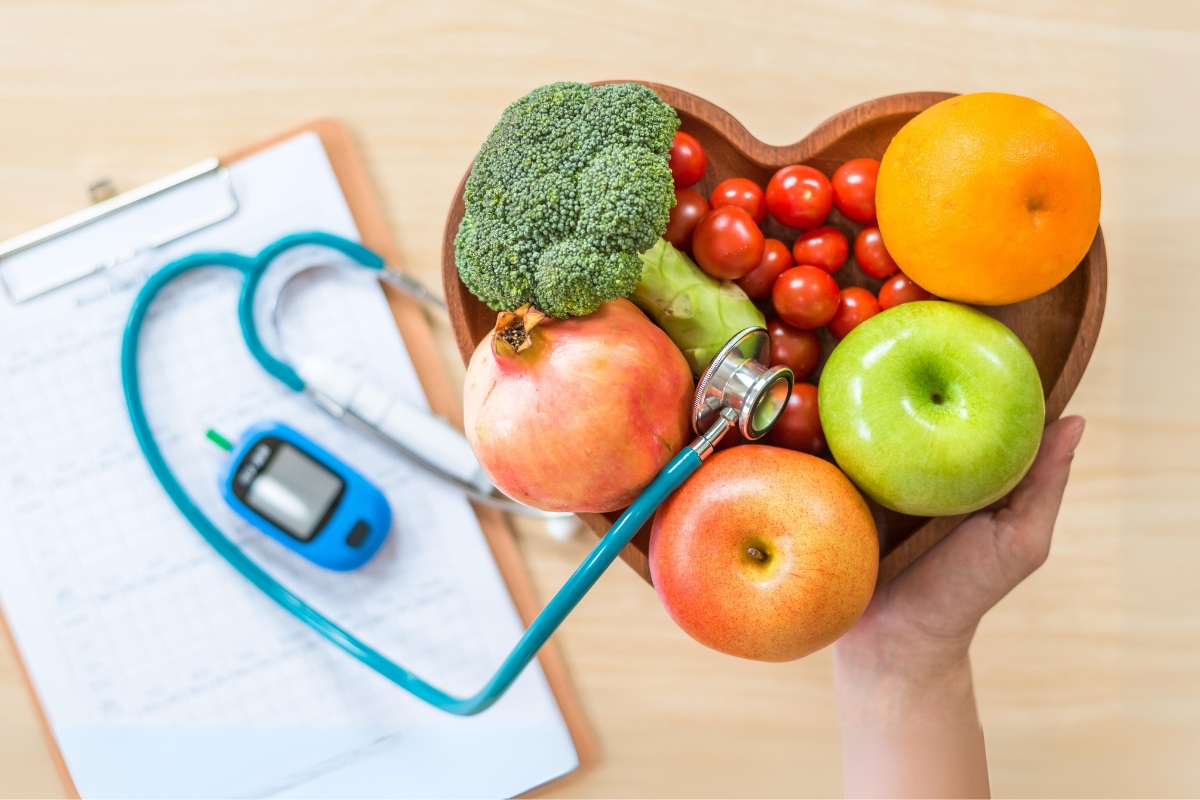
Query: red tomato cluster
x=794 y=285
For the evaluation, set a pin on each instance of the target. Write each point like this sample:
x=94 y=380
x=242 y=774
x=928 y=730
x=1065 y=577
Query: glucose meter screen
x=294 y=492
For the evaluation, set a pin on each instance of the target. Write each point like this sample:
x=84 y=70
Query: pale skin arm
x=906 y=703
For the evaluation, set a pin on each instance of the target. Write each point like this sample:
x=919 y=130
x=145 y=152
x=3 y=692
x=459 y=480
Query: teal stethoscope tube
x=252 y=269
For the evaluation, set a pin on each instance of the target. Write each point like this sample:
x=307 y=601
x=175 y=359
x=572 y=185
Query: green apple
x=932 y=408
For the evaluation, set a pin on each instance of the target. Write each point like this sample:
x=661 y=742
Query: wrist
x=909 y=684
x=909 y=726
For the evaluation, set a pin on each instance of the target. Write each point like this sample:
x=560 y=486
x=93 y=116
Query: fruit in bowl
x=765 y=553
x=932 y=408
x=988 y=198
x=543 y=397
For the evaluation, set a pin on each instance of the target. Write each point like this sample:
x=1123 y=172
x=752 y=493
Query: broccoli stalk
x=698 y=312
x=570 y=187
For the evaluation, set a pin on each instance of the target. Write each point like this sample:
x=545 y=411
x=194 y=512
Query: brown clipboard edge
x=417 y=334
x=60 y=766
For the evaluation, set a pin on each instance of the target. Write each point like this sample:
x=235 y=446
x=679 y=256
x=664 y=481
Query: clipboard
x=417 y=335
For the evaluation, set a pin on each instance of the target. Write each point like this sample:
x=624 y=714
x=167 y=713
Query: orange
x=988 y=198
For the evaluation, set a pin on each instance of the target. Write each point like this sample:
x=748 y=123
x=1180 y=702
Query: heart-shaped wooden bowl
x=1059 y=327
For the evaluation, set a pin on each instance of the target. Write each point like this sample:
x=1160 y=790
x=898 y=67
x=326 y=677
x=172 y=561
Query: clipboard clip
x=206 y=185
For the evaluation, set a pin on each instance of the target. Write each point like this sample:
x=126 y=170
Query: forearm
x=909 y=726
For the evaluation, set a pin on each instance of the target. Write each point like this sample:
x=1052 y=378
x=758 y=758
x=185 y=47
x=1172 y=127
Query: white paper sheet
x=165 y=674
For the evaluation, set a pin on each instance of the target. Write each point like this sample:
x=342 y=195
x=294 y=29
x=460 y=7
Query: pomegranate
x=577 y=414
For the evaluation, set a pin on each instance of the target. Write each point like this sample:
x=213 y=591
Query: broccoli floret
x=571 y=186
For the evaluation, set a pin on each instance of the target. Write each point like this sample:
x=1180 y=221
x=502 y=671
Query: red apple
x=765 y=553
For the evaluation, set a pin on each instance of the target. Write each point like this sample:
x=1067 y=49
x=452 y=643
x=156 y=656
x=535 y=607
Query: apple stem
x=756 y=554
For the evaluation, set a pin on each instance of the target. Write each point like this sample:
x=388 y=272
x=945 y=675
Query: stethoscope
x=735 y=391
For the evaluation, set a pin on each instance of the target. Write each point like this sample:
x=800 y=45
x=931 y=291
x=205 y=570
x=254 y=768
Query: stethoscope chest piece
x=738 y=389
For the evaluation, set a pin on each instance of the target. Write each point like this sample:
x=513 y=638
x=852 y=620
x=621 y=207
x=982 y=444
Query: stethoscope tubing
x=543 y=626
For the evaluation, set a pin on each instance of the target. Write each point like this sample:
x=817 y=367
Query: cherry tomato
x=685 y=216
x=776 y=259
x=856 y=307
x=799 y=197
x=854 y=189
x=799 y=426
x=806 y=297
x=872 y=257
x=796 y=349
x=901 y=289
x=727 y=244
x=732 y=438
x=687 y=160
x=743 y=193
x=825 y=247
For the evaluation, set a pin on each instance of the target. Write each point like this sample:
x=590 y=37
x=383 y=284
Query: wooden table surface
x=1088 y=674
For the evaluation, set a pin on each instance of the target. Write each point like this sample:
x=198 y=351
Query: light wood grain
x=1087 y=674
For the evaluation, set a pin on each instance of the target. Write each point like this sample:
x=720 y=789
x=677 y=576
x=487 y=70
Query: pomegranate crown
x=511 y=335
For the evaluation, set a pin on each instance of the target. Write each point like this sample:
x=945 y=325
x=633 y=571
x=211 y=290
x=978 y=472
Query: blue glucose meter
x=301 y=496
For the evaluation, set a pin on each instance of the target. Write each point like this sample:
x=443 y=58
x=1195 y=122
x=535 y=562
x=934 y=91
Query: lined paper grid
x=162 y=671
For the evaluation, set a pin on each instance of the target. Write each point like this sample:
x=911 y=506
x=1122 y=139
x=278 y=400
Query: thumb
x=1023 y=526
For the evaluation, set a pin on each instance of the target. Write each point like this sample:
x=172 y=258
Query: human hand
x=904 y=667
